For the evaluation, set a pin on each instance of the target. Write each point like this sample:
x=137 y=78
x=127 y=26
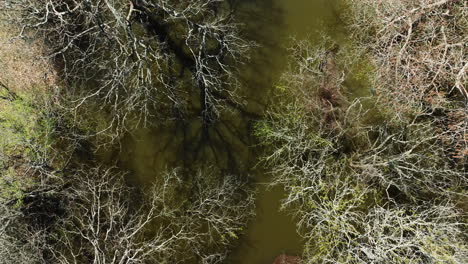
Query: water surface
x=273 y=232
x=228 y=143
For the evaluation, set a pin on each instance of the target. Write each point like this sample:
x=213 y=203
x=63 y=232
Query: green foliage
x=12 y=186
x=25 y=128
x=18 y=126
x=24 y=139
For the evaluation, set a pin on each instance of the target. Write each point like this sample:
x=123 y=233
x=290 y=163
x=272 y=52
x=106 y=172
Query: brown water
x=228 y=143
x=273 y=232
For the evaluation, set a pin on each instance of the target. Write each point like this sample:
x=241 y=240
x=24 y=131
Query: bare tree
x=419 y=49
x=362 y=207
x=367 y=183
x=341 y=232
x=53 y=212
x=217 y=210
x=105 y=224
x=137 y=58
x=102 y=227
x=18 y=243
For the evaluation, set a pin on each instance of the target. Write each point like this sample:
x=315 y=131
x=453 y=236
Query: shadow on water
x=228 y=143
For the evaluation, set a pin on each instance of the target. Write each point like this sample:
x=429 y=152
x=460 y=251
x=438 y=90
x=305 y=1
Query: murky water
x=228 y=143
x=273 y=232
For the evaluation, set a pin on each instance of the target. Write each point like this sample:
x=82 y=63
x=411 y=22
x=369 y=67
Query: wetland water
x=273 y=232
x=228 y=143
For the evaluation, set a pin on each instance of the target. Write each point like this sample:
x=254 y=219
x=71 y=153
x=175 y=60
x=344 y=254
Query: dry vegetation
x=23 y=66
x=420 y=50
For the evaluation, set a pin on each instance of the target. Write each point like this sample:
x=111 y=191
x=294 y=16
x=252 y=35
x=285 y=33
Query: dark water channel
x=229 y=144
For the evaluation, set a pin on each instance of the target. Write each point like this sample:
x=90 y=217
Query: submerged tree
x=136 y=59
